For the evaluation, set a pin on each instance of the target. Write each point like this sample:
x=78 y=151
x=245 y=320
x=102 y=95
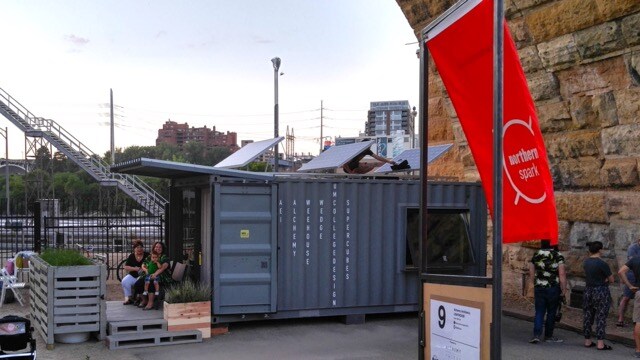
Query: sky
x=206 y=63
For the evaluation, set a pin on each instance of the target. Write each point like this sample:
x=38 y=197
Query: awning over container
x=176 y=170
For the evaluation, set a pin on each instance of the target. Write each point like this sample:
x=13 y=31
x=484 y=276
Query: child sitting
x=150 y=267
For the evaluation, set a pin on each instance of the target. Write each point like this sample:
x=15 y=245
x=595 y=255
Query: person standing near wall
x=597 y=297
x=550 y=282
x=634 y=265
x=632 y=252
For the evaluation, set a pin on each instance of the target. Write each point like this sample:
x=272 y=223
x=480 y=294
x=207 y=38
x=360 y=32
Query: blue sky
x=205 y=63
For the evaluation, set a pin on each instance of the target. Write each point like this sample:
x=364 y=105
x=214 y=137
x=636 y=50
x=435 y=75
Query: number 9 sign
x=442 y=317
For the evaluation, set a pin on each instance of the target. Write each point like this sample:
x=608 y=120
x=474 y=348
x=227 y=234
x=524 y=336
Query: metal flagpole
x=498 y=71
x=424 y=163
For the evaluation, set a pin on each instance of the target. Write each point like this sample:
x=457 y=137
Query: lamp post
x=414 y=114
x=5 y=135
x=276 y=67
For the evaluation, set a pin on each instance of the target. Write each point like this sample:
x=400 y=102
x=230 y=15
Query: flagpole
x=423 y=127
x=498 y=71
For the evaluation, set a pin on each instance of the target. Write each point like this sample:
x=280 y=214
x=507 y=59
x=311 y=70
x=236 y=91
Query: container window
x=448 y=245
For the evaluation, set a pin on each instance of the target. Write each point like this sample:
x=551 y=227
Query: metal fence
x=103 y=238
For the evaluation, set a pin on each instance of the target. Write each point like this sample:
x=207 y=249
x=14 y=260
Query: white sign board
x=455 y=331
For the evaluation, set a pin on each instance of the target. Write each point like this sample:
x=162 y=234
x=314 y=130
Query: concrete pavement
x=385 y=337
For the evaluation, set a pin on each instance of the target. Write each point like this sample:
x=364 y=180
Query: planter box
x=189 y=316
x=67 y=299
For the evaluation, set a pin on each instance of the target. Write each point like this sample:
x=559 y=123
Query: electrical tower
x=289 y=145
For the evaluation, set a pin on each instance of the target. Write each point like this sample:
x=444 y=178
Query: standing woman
x=597 y=297
x=161 y=274
x=132 y=266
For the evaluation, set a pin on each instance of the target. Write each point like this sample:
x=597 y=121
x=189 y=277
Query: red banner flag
x=462 y=49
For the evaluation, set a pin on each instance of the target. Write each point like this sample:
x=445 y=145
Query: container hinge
x=421 y=330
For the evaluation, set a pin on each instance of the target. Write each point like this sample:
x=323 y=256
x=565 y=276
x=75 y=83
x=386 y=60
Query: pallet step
x=136 y=326
x=152 y=338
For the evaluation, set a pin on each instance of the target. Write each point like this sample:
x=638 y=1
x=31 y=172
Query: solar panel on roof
x=336 y=156
x=413 y=157
x=248 y=153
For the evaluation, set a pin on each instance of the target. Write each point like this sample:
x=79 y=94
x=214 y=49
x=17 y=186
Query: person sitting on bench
x=162 y=274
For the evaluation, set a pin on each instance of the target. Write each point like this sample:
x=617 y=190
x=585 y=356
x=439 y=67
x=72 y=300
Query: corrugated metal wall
x=342 y=242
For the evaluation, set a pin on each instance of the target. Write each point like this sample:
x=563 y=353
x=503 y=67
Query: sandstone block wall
x=582 y=61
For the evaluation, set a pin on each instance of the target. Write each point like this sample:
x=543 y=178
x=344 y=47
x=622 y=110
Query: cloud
x=160 y=34
x=260 y=40
x=76 y=40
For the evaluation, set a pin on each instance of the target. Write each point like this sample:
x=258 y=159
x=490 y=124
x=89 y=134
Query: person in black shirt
x=549 y=279
x=597 y=297
x=132 y=266
x=355 y=167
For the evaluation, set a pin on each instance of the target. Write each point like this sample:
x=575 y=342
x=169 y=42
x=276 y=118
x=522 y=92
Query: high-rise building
x=180 y=134
x=387 y=117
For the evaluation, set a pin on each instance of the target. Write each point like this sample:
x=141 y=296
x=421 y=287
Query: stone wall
x=582 y=61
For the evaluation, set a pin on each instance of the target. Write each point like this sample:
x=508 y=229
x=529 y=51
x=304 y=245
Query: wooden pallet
x=136 y=326
x=152 y=338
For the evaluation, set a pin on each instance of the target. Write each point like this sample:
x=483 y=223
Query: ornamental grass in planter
x=67 y=296
x=64 y=257
x=187 y=306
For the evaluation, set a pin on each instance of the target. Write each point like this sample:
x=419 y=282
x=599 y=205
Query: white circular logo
x=521 y=158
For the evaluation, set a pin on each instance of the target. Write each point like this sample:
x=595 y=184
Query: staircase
x=74 y=150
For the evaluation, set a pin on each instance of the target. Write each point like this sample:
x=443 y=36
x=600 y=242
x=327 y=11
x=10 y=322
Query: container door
x=244 y=249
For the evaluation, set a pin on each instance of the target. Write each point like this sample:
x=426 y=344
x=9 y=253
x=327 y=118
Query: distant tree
x=62 y=164
x=42 y=158
x=215 y=155
x=257 y=166
x=193 y=152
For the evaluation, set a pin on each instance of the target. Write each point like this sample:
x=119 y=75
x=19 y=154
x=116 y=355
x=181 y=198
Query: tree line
x=55 y=176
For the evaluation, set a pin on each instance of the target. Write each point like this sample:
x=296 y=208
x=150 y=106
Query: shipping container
x=290 y=245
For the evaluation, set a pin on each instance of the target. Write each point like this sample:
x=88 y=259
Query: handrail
x=57 y=135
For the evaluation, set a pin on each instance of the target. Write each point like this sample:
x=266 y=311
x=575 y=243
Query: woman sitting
x=133 y=266
x=146 y=301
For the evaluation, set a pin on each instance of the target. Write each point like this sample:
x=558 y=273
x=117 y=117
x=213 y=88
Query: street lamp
x=276 y=67
x=414 y=114
x=5 y=135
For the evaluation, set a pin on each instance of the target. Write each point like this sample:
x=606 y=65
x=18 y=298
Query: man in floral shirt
x=550 y=282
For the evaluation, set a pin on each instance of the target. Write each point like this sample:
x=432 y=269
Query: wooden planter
x=67 y=299
x=189 y=316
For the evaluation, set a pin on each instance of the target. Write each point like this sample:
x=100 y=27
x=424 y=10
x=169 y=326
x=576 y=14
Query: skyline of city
x=206 y=64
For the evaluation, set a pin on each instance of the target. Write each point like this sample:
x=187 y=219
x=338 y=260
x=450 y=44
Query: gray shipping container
x=298 y=245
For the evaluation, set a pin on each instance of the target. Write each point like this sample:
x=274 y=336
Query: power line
x=217 y=115
x=346 y=110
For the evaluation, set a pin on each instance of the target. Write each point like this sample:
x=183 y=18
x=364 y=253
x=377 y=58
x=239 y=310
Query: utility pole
x=276 y=66
x=113 y=155
x=5 y=134
x=321 y=119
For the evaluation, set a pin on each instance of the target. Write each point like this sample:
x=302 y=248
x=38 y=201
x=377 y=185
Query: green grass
x=64 y=257
x=187 y=292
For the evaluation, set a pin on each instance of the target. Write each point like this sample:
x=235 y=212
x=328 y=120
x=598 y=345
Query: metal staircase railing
x=76 y=151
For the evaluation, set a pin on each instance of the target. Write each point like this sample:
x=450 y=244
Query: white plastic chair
x=9 y=282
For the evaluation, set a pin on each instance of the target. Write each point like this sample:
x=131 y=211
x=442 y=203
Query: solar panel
x=336 y=156
x=413 y=157
x=248 y=153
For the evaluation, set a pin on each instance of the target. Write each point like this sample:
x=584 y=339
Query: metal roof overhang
x=177 y=170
